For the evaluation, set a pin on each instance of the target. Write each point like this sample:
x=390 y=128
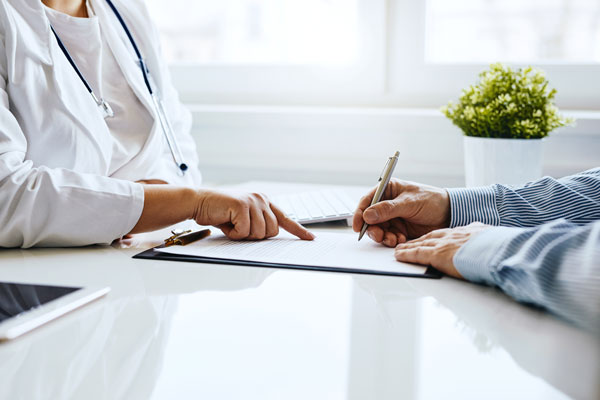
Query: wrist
x=165 y=205
x=446 y=207
x=196 y=202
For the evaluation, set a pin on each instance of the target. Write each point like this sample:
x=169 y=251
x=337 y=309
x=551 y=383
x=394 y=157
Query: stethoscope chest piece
x=105 y=108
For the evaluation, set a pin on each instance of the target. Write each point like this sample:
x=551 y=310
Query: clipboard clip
x=182 y=237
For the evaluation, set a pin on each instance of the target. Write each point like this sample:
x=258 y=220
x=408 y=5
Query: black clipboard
x=152 y=254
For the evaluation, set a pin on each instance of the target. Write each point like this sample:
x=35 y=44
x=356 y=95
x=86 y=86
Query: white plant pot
x=508 y=161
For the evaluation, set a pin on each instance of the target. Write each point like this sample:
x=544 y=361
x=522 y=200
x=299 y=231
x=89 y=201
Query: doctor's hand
x=248 y=216
x=438 y=248
x=239 y=216
x=407 y=211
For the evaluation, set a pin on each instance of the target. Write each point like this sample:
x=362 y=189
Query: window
x=260 y=50
x=415 y=53
x=440 y=46
x=546 y=31
x=275 y=32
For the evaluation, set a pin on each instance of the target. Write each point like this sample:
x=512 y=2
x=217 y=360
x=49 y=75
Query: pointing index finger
x=290 y=225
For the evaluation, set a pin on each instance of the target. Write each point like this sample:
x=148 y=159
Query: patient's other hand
x=438 y=248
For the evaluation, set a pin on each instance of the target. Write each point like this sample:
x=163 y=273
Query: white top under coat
x=131 y=124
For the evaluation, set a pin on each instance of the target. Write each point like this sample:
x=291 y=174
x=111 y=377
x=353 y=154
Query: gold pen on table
x=384 y=179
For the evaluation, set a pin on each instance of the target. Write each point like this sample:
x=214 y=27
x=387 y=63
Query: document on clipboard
x=330 y=251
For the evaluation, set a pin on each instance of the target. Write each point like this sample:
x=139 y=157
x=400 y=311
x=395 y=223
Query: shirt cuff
x=477 y=259
x=473 y=205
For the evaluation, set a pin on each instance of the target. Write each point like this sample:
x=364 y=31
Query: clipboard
x=153 y=254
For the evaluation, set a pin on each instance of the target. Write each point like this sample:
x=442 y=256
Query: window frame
x=393 y=72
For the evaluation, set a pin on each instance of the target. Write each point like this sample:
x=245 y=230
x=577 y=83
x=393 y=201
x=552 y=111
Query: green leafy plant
x=507 y=104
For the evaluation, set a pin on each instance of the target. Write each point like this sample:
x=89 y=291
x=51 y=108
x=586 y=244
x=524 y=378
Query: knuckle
x=258 y=196
x=386 y=206
x=260 y=199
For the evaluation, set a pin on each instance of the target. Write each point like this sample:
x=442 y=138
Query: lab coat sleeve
x=41 y=206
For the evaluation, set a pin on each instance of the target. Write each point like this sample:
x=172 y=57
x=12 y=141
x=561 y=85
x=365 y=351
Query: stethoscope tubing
x=160 y=111
x=134 y=45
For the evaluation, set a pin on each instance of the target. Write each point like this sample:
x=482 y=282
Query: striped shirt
x=545 y=248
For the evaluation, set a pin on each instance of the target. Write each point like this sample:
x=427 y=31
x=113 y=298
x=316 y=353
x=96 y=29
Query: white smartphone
x=24 y=306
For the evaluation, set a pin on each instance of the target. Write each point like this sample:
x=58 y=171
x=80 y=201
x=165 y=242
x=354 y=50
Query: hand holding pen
x=384 y=179
x=406 y=211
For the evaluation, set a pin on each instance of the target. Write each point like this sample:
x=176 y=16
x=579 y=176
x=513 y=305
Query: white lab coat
x=55 y=147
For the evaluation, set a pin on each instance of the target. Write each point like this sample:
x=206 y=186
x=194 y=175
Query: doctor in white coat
x=72 y=175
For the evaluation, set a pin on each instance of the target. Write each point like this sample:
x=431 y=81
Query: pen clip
x=384 y=168
x=175 y=238
x=181 y=237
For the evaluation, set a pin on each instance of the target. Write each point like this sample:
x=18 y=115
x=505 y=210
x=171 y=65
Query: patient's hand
x=407 y=211
x=245 y=216
x=438 y=248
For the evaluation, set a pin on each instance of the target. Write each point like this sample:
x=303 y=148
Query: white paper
x=329 y=249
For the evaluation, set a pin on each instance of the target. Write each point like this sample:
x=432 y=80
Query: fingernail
x=370 y=234
x=311 y=235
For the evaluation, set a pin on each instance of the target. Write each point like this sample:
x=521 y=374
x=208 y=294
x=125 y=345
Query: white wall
x=350 y=145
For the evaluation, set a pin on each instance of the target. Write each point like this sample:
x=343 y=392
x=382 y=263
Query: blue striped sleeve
x=575 y=198
x=473 y=205
x=555 y=266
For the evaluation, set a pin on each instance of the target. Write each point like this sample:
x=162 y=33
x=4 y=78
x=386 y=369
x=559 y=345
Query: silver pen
x=384 y=179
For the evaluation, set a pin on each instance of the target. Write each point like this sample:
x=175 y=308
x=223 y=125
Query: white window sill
x=348 y=145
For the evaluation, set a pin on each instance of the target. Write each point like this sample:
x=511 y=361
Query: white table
x=173 y=330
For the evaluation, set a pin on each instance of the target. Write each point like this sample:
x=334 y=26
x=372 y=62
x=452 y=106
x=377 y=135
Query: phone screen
x=17 y=298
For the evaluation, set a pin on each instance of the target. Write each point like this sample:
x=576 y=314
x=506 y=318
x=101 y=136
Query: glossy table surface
x=174 y=330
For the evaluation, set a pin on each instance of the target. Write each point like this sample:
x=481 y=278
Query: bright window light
x=273 y=32
x=521 y=31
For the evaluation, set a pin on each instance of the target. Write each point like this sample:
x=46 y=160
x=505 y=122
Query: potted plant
x=504 y=118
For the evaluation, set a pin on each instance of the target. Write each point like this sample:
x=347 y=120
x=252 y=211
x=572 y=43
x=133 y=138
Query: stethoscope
x=158 y=104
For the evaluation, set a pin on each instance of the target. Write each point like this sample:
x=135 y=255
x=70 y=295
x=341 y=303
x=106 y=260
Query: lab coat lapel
x=30 y=23
x=41 y=43
x=31 y=20
x=29 y=29
x=123 y=52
